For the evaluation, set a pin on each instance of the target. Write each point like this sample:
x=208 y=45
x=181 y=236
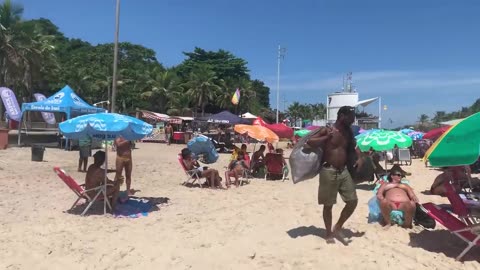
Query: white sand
x=264 y=225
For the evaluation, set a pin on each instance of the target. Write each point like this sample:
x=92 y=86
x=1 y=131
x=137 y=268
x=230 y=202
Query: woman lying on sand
x=396 y=196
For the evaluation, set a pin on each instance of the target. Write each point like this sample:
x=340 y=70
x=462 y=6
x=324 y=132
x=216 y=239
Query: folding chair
x=468 y=233
x=80 y=190
x=192 y=175
x=459 y=207
x=404 y=156
x=274 y=166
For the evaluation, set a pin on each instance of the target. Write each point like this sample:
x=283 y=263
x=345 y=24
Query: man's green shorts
x=333 y=181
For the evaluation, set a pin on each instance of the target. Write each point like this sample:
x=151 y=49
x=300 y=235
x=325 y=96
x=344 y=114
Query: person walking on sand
x=124 y=160
x=168 y=133
x=339 y=155
x=85 y=151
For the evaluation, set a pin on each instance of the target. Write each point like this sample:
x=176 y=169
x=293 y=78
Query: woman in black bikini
x=395 y=195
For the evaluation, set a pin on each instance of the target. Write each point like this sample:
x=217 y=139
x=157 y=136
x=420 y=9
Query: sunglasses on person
x=396 y=174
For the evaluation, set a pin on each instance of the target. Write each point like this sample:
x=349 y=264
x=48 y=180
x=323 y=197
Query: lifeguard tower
x=349 y=97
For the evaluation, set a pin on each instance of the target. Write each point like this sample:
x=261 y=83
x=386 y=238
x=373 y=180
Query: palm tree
x=179 y=104
x=294 y=111
x=202 y=86
x=423 y=119
x=159 y=86
x=10 y=13
x=438 y=117
x=24 y=52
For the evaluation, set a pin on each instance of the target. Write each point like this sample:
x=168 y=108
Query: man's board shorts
x=85 y=151
x=333 y=181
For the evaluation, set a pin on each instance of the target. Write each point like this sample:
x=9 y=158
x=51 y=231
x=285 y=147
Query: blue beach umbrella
x=407 y=130
x=416 y=135
x=105 y=126
x=202 y=145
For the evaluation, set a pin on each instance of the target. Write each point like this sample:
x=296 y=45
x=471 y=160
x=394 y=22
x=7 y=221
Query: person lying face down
x=213 y=178
x=396 y=196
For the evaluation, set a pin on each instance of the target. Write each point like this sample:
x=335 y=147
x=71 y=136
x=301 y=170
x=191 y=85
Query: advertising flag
x=236 y=97
x=48 y=117
x=11 y=104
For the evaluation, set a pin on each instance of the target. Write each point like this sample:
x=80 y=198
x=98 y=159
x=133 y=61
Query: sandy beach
x=262 y=225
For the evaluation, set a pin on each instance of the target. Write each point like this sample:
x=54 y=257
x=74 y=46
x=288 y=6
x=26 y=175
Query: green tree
x=159 y=86
x=423 y=119
x=222 y=62
x=202 y=86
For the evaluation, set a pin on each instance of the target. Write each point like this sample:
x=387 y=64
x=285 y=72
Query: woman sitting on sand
x=397 y=196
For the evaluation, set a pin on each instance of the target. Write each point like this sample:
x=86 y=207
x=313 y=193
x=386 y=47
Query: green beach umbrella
x=383 y=140
x=460 y=145
x=301 y=133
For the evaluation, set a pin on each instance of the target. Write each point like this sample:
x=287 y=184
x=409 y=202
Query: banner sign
x=11 y=104
x=48 y=117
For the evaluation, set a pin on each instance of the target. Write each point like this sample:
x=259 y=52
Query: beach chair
x=274 y=166
x=459 y=207
x=403 y=155
x=468 y=233
x=80 y=190
x=192 y=175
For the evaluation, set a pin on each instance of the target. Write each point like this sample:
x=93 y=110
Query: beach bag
x=422 y=218
x=305 y=161
x=374 y=213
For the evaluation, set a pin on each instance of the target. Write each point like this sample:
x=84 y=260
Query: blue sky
x=419 y=56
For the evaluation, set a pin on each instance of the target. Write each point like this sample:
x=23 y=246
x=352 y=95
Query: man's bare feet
x=337 y=233
x=330 y=239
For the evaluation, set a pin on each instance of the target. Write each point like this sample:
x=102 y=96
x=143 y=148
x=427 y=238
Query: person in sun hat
x=397 y=200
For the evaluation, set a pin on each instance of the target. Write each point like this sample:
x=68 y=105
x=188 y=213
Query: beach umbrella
x=301 y=133
x=105 y=126
x=312 y=127
x=460 y=145
x=415 y=135
x=202 y=145
x=257 y=132
x=383 y=140
x=435 y=133
x=407 y=130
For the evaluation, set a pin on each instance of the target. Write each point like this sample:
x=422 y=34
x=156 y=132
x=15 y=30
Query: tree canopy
x=36 y=57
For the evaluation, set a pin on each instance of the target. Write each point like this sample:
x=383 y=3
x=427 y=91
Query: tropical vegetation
x=36 y=57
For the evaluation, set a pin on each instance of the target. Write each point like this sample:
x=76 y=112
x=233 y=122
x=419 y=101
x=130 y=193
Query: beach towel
x=133 y=208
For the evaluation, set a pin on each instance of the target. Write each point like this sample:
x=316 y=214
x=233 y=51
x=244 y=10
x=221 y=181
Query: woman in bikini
x=395 y=195
x=236 y=169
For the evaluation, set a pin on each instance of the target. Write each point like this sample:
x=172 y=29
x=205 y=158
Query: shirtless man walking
x=124 y=160
x=339 y=154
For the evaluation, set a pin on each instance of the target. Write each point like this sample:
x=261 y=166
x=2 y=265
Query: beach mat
x=133 y=208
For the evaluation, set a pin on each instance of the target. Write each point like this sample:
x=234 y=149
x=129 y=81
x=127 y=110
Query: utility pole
x=281 y=55
x=115 y=57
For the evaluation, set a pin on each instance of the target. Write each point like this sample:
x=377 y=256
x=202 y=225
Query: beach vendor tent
x=65 y=101
x=249 y=116
x=282 y=130
x=225 y=117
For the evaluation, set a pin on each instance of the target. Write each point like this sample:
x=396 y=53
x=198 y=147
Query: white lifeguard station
x=349 y=97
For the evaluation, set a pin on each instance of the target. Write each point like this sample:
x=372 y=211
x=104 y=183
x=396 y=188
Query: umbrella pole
x=105 y=198
x=386 y=159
